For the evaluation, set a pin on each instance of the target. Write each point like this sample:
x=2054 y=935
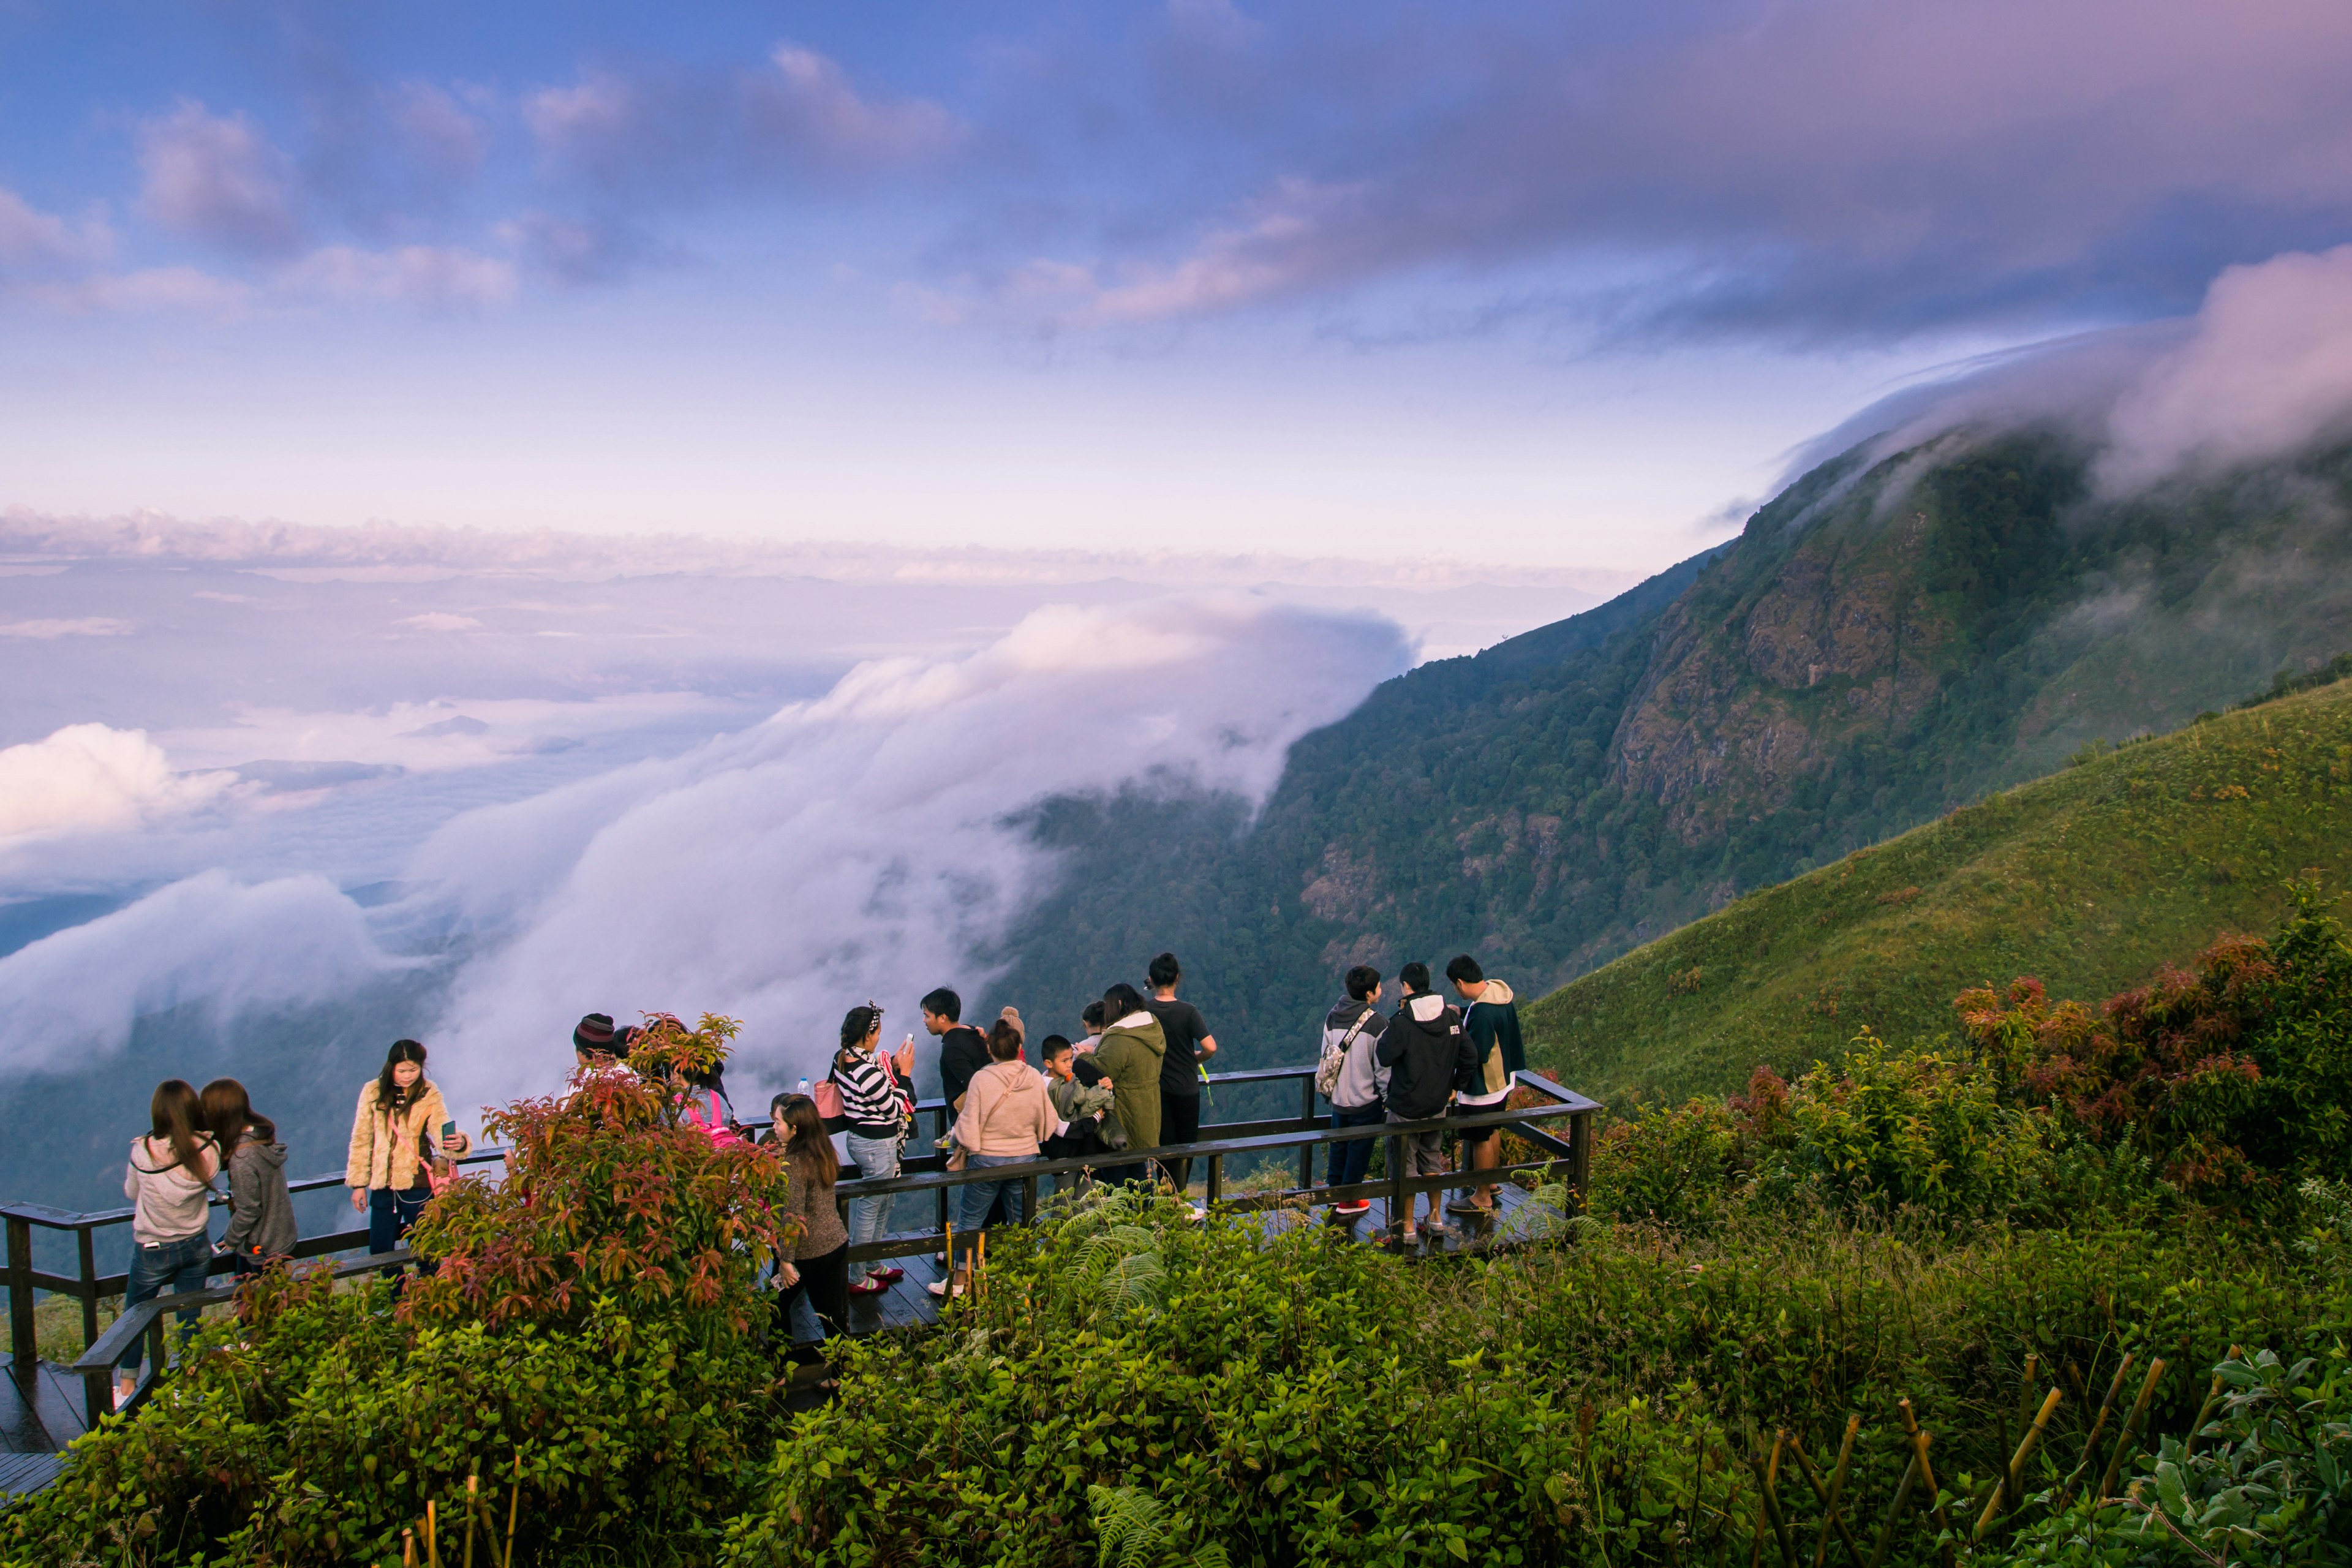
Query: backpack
x=1335 y=1056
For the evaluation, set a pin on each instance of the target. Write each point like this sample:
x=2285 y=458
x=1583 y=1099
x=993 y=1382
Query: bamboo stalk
x=1827 y=1495
x=473 y=1504
x=1765 y=1477
x=431 y=1536
x=2099 y=1424
x=2205 y=1411
x=514 y=1509
x=1837 y=1494
x=2026 y=1396
x=1919 y=1442
x=2131 y=1426
x=408 y=1548
x=1772 y=1503
x=2011 y=1486
x=1895 y=1513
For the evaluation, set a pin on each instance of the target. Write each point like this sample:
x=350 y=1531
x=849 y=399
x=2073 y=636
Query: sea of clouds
x=267 y=793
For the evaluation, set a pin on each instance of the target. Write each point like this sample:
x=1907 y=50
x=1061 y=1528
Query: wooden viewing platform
x=44 y=1405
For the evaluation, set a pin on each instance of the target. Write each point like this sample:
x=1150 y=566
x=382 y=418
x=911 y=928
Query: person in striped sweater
x=875 y=1106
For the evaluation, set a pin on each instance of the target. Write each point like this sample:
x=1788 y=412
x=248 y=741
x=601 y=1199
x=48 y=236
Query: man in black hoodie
x=1425 y=1052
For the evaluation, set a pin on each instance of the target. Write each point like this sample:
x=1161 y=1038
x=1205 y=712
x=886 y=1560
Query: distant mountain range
x=1892 y=637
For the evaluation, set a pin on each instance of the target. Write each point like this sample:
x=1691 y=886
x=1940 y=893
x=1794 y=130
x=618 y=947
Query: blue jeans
x=1350 y=1162
x=978 y=1198
x=182 y=1264
x=869 y=1218
x=390 y=1214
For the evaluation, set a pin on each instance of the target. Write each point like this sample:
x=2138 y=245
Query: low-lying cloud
x=867 y=843
x=2263 y=370
x=90 y=778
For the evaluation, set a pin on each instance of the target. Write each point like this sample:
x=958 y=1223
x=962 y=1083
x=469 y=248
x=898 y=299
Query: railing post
x=1580 y=1159
x=1216 y=1180
x=22 y=1337
x=1400 y=1201
x=1307 y=1115
x=939 y=1129
x=88 y=1287
x=1029 y=1200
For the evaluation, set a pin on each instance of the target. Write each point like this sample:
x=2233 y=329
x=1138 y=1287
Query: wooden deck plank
x=22 y=1473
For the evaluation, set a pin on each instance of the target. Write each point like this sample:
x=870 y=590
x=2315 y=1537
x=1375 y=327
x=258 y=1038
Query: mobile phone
x=448 y=1129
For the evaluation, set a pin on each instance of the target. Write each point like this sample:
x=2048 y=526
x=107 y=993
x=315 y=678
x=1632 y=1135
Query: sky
x=1550 y=285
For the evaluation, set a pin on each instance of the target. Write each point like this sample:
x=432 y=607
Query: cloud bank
x=90 y=778
x=868 y=843
x=2262 y=371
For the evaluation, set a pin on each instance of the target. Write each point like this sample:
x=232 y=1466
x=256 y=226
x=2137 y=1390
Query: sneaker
x=1439 y=1229
x=1354 y=1209
x=937 y=1288
x=889 y=1275
x=872 y=1284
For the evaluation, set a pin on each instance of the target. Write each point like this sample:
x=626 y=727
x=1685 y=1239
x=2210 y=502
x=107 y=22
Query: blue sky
x=1548 y=284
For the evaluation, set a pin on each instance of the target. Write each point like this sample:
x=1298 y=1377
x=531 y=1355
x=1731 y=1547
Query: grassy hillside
x=2090 y=879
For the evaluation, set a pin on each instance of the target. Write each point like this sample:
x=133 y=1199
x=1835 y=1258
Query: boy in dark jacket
x=1490 y=1017
x=1426 y=1052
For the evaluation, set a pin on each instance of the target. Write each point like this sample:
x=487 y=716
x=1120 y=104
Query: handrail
x=95 y=1365
x=923 y=1172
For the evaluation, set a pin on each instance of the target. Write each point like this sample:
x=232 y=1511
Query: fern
x=1134 y=1529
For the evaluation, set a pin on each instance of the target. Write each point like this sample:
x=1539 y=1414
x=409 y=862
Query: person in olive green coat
x=1130 y=1052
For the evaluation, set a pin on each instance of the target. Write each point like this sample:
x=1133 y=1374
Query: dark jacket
x=261 y=1211
x=963 y=1051
x=1425 y=1051
x=1493 y=1025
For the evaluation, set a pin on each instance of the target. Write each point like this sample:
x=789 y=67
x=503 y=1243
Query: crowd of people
x=1124 y=1097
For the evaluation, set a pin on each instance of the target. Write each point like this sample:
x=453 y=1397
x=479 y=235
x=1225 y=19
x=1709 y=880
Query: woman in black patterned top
x=876 y=1109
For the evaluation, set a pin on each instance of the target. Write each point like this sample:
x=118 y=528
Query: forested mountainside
x=1886 y=639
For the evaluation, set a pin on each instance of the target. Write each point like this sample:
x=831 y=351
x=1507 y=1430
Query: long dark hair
x=389 y=1095
x=229 y=1115
x=1120 y=1001
x=810 y=1148
x=175 y=1116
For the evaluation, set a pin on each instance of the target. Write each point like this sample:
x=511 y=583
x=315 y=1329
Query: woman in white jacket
x=170 y=1184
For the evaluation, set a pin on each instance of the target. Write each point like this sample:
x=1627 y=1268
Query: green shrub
x=588 y=1347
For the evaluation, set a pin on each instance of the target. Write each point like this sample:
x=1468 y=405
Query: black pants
x=826 y=1281
x=1180 y=1123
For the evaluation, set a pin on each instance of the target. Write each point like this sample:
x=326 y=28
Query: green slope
x=2090 y=879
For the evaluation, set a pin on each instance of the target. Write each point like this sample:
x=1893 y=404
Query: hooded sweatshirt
x=168 y=1199
x=963 y=1051
x=1006 y=1112
x=261 y=1211
x=1492 y=1021
x=1131 y=1051
x=1359 y=1086
x=1423 y=1049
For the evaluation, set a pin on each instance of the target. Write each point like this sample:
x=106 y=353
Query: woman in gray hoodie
x=260 y=1210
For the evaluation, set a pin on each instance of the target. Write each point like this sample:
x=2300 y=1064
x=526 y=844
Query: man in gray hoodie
x=1352 y=1028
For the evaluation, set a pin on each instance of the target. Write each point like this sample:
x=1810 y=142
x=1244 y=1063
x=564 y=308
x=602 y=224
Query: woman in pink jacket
x=1007 y=1115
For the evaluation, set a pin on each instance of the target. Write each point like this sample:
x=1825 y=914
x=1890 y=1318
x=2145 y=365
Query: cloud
x=662 y=131
x=2263 y=370
x=35 y=242
x=866 y=840
x=2266 y=371
x=78 y=627
x=451 y=142
x=90 y=778
x=211 y=941
x=1822 y=172
x=181 y=289
x=441 y=621
x=216 y=179
x=421 y=552
x=436 y=276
